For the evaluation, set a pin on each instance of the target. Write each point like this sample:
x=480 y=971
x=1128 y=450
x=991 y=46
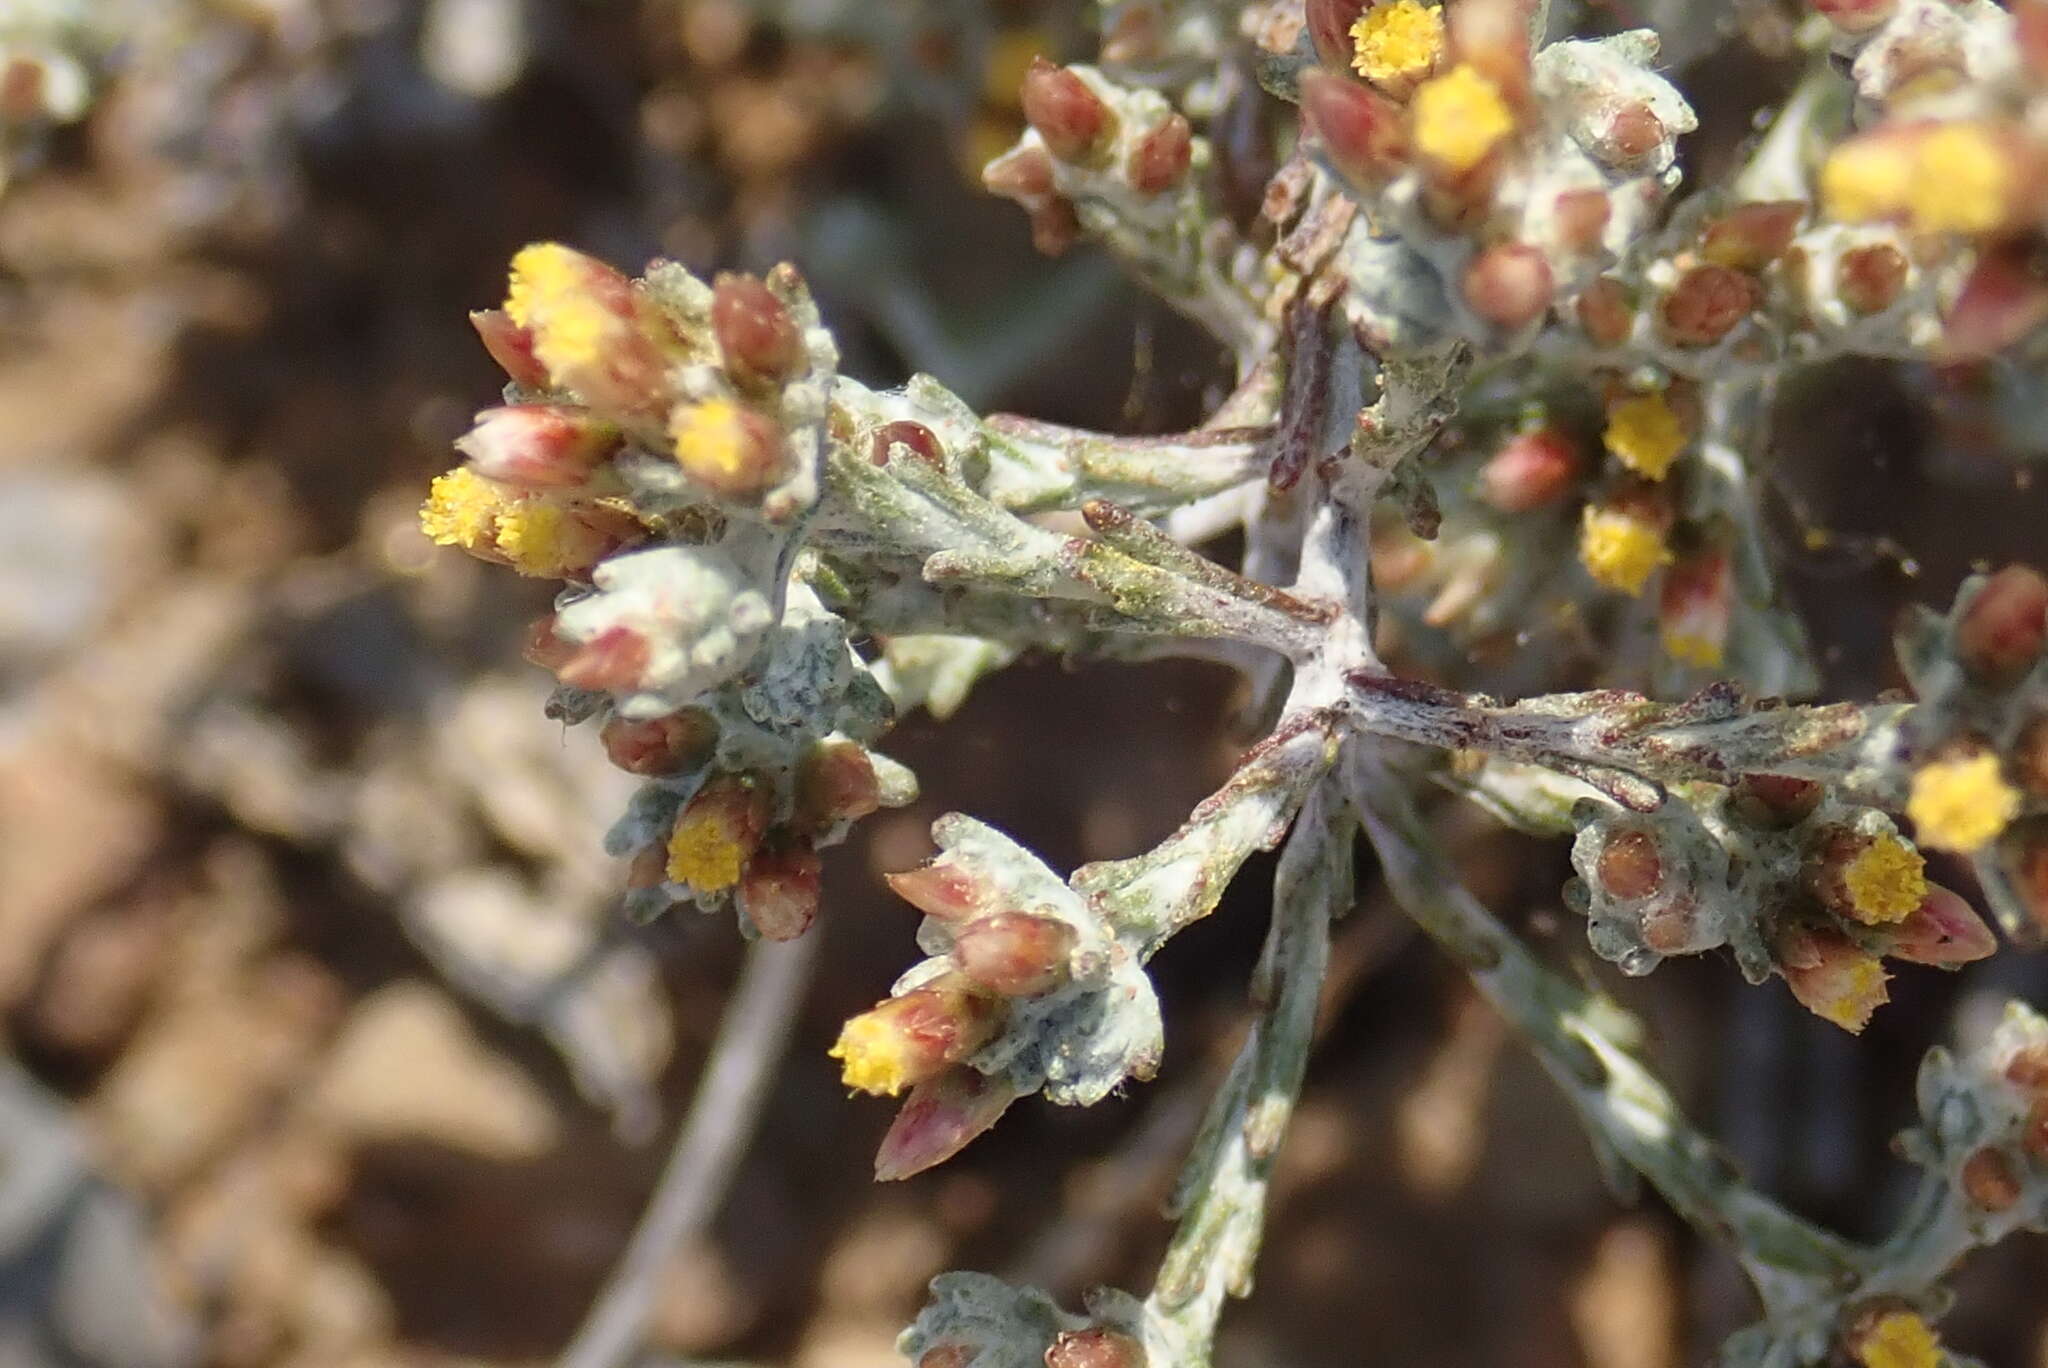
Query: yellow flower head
x=1460 y=118
x=462 y=510
x=1963 y=181
x=1645 y=434
x=1886 y=881
x=1962 y=803
x=1620 y=550
x=1900 y=1339
x=1395 y=43
x=875 y=1055
x=544 y=537
x=705 y=852
x=551 y=296
x=1846 y=993
x=710 y=437
x=1868 y=178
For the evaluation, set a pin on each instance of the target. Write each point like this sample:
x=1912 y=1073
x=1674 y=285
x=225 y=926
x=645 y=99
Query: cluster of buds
x=976 y=1321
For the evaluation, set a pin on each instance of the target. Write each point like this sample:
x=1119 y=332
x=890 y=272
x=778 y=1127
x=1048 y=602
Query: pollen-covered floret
x=462 y=510
x=1900 y=1339
x=1620 y=550
x=1961 y=803
x=1397 y=42
x=1645 y=434
x=1460 y=118
x=1885 y=881
x=549 y=296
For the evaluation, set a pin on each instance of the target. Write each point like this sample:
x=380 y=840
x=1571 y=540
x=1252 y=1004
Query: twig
x=751 y=1037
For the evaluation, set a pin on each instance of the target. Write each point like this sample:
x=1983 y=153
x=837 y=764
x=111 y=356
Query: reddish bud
x=1094 y=1347
x=1534 y=468
x=921 y=440
x=2003 y=627
x=916 y=1035
x=1023 y=174
x=511 y=346
x=1606 y=313
x=1855 y=16
x=943 y=892
x=941 y=1117
x=1629 y=133
x=1581 y=217
x=1329 y=28
x=755 y=333
x=1706 y=305
x=1629 y=866
x=1016 y=954
x=1869 y=278
x=1694 y=605
x=778 y=893
x=615 y=658
x=835 y=782
x=2004 y=299
x=660 y=745
x=1362 y=132
x=1989 y=1181
x=538 y=446
x=1508 y=285
x=1054 y=225
x=1162 y=156
x=1775 y=801
x=1067 y=114
x=1752 y=236
x=1943 y=930
x=649 y=866
x=2027 y=1070
x=1672 y=929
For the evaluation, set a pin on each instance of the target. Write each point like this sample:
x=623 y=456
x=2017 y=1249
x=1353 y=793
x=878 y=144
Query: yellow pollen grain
x=1460 y=118
x=1961 y=804
x=1856 y=992
x=710 y=439
x=703 y=853
x=1691 y=648
x=462 y=509
x=874 y=1057
x=1886 y=881
x=1869 y=178
x=1397 y=42
x=1900 y=1339
x=1645 y=434
x=1619 y=551
x=1963 y=181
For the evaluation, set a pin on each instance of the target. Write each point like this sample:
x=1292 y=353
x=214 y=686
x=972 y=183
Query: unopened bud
x=717 y=832
x=1629 y=866
x=916 y=1035
x=1055 y=226
x=1016 y=954
x=921 y=441
x=1362 y=132
x=1989 y=1180
x=755 y=333
x=835 y=782
x=615 y=658
x=1944 y=930
x=1869 y=278
x=941 y=1117
x=1023 y=174
x=1752 y=236
x=1606 y=312
x=779 y=892
x=2003 y=628
x=2027 y=1070
x=538 y=446
x=1855 y=16
x=511 y=346
x=1161 y=158
x=671 y=744
x=1508 y=285
x=1094 y=1347
x=1775 y=801
x=1831 y=976
x=1535 y=468
x=726 y=447
x=1707 y=304
x=1694 y=606
x=1581 y=217
x=1629 y=133
x=944 y=892
x=1067 y=114
x=2004 y=298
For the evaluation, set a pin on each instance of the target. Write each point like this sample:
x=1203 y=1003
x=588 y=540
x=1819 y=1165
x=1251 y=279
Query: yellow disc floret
x=1619 y=550
x=712 y=441
x=1964 y=181
x=1849 y=992
x=1886 y=881
x=875 y=1055
x=705 y=852
x=550 y=295
x=1900 y=1339
x=1962 y=803
x=1868 y=178
x=1645 y=434
x=1396 y=43
x=1460 y=118
x=462 y=510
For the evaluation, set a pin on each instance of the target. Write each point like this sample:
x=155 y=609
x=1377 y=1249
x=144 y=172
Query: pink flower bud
x=673 y=744
x=2004 y=626
x=755 y=333
x=1752 y=236
x=511 y=346
x=1581 y=217
x=1707 y=304
x=1944 y=930
x=1067 y=114
x=2027 y=1070
x=1855 y=16
x=1023 y=174
x=2004 y=299
x=1606 y=313
x=941 y=1117
x=1329 y=28
x=1694 y=606
x=921 y=440
x=1508 y=285
x=1054 y=224
x=915 y=1036
x=1161 y=158
x=1869 y=277
x=1775 y=801
x=538 y=446
x=1362 y=132
x=1629 y=866
x=835 y=782
x=943 y=892
x=615 y=658
x=1095 y=1347
x=779 y=892
x=1988 y=1179
x=1535 y=468
x=1629 y=133
x=1016 y=954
